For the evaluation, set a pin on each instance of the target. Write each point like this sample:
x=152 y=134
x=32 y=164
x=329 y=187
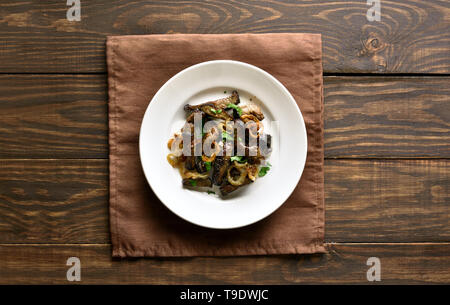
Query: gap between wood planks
x=441 y=243
x=344 y=74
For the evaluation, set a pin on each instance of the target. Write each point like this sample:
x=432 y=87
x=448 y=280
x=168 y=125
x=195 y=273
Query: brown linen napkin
x=140 y=224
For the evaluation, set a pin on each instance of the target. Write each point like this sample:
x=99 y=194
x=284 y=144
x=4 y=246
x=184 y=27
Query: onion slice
x=242 y=168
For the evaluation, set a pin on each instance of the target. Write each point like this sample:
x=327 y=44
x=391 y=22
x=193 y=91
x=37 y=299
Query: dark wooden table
x=387 y=139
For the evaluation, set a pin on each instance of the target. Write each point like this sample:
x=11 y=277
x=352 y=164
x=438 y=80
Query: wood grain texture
x=412 y=36
x=66 y=201
x=343 y=264
x=387 y=117
x=53 y=116
x=387 y=200
x=65 y=116
x=54 y=201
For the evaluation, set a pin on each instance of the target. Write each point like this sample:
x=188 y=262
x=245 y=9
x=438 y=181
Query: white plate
x=208 y=81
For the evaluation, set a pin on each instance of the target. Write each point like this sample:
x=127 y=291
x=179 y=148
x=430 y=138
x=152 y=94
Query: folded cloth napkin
x=140 y=224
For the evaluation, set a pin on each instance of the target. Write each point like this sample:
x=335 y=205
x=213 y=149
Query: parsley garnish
x=211 y=192
x=263 y=171
x=237 y=108
x=208 y=166
x=239 y=159
x=227 y=136
x=193 y=182
x=216 y=111
x=235 y=158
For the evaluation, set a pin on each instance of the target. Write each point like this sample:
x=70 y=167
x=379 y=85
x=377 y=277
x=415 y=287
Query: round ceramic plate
x=283 y=120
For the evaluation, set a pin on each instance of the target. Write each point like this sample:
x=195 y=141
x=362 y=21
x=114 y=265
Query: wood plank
x=65 y=116
x=387 y=200
x=343 y=264
x=387 y=117
x=66 y=201
x=54 y=201
x=412 y=35
x=53 y=116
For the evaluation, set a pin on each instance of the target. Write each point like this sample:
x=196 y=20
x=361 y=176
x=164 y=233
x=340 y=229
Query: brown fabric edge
x=320 y=222
x=165 y=250
x=112 y=121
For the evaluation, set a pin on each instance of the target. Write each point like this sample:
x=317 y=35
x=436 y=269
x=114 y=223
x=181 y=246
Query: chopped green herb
x=235 y=158
x=193 y=182
x=240 y=159
x=216 y=111
x=268 y=164
x=263 y=171
x=211 y=192
x=208 y=166
x=227 y=136
x=237 y=108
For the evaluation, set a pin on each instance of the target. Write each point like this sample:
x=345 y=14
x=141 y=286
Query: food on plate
x=222 y=146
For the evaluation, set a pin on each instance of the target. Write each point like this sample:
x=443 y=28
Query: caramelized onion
x=252 y=172
x=172 y=159
x=209 y=159
x=222 y=126
x=170 y=142
x=253 y=132
x=260 y=127
x=216 y=151
x=187 y=174
x=242 y=174
x=177 y=150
